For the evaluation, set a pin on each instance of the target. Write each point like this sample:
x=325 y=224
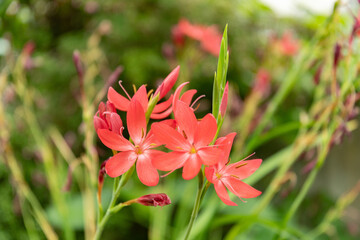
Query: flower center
x=193 y=150
x=138 y=150
x=218 y=175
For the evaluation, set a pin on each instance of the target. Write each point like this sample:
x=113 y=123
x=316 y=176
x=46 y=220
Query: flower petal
x=116 y=123
x=146 y=172
x=114 y=141
x=210 y=155
x=206 y=131
x=141 y=97
x=160 y=107
x=239 y=188
x=191 y=167
x=188 y=96
x=150 y=141
x=170 y=161
x=177 y=94
x=136 y=122
x=170 y=137
x=225 y=143
x=210 y=174
x=120 y=163
x=223 y=194
x=186 y=120
x=161 y=115
x=244 y=169
x=99 y=123
x=211 y=41
x=193 y=31
x=119 y=101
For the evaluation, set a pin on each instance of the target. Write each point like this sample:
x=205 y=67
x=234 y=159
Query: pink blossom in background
x=208 y=36
x=287 y=45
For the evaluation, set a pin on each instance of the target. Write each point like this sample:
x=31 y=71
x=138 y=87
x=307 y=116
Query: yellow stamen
x=193 y=150
x=138 y=150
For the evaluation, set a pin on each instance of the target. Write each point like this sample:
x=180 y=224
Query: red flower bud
x=102 y=173
x=337 y=54
x=114 y=76
x=168 y=83
x=159 y=199
x=318 y=74
x=224 y=100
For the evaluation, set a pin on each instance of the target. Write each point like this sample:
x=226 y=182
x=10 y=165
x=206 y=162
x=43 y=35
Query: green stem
x=199 y=197
x=111 y=209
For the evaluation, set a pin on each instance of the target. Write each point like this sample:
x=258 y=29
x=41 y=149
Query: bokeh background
x=137 y=36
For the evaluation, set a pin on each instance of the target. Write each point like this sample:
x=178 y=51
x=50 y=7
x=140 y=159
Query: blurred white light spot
x=4 y=46
x=292 y=7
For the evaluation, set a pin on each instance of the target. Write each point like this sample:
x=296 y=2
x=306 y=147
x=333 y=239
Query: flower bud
x=102 y=173
x=318 y=74
x=113 y=77
x=78 y=66
x=159 y=199
x=224 y=100
x=337 y=54
x=168 y=83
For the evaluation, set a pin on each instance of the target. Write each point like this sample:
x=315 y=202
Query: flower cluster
x=208 y=36
x=190 y=142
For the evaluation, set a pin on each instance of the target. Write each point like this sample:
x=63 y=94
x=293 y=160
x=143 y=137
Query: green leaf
x=220 y=75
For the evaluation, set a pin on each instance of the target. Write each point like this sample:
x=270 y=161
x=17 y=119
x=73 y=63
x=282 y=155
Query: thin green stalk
x=290 y=80
x=199 y=196
x=244 y=121
x=114 y=197
x=26 y=96
x=24 y=190
x=29 y=223
x=335 y=212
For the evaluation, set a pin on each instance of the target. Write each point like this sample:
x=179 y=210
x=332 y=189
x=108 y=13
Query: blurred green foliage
x=137 y=35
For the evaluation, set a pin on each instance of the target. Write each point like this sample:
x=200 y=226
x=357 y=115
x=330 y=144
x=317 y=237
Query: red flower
x=288 y=45
x=229 y=176
x=107 y=118
x=140 y=152
x=189 y=143
x=161 y=110
x=208 y=36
